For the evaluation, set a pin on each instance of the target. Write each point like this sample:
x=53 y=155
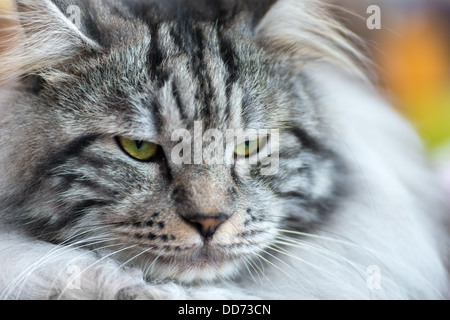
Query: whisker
x=295 y=280
x=324 y=251
x=72 y=261
x=332 y=256
x=256 y=269
x=246 y=264
x=280 y=250
x=25 y=274
x=150 y=268
x=132 y=258
x=95 y=263
x=376 y=255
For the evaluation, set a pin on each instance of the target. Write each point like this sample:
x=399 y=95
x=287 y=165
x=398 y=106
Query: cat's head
x=110 y=95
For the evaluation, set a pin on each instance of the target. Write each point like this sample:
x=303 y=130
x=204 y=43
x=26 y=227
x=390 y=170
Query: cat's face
x=174 y=220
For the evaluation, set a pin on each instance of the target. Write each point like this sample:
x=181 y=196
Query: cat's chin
x=200 y=266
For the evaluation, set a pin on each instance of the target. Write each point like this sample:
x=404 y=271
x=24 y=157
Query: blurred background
x=412 y=53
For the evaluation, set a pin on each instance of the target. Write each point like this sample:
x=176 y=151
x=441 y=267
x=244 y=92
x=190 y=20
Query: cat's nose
x=206 y=225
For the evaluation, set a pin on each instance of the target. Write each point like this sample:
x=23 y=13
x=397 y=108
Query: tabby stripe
x=203 y=78
x=81 y=208
x=71 y=150
x=292 y=194
x=179 y=104
x=78 y=211
x=194 y=40
x=192 y=43
x=247 y=112
x=321 y=206
x=308 y=142
x=95 y=162
x=200 y=41
x=175 y=35
x=237 y=179
x=228 y=57
x=155 y=110
x=155 y=56
x=70 y=179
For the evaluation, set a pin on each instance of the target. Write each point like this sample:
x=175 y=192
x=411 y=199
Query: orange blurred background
x=412 y=52
x=416 y=65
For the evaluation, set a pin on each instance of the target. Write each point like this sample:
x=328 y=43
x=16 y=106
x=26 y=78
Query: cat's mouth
x=203 y=263
x=188 y=256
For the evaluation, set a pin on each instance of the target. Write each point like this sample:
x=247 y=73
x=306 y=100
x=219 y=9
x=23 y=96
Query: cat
x=94 y=205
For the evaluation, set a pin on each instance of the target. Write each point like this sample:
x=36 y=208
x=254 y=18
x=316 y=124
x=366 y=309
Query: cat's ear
x=304 y=31
x=37 y=34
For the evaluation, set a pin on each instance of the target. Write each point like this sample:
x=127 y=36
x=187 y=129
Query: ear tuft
x=306 y=32
x=36 y=35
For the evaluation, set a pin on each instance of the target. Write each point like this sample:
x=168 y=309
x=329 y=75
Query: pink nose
x=206 y=225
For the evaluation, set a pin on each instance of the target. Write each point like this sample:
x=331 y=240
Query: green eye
x=138 y=149
x=247 y=148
